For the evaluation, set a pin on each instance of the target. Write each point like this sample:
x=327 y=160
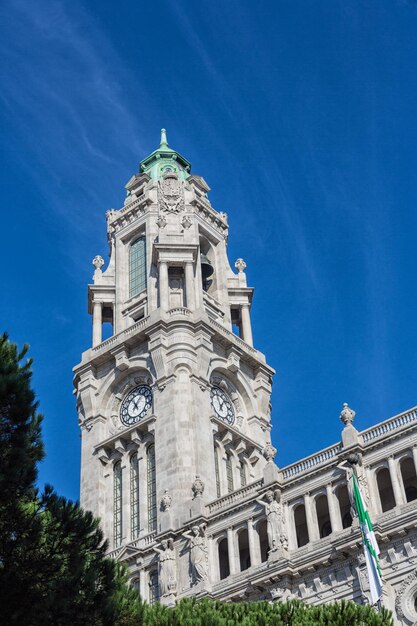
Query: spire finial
x=163 y=137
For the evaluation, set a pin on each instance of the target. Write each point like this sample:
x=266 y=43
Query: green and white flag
x=369 y=543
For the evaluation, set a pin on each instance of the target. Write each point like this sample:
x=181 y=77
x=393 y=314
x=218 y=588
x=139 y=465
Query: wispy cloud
x=62 y=89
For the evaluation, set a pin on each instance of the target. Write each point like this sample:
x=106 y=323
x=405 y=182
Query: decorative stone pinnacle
x=269 y=452
x=240 y=265
x=164 y=141
x=166 y=501
x=98 y=262
x=347 y=415
x=197 y=487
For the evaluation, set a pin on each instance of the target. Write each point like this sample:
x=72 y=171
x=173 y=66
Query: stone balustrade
x=124 y=333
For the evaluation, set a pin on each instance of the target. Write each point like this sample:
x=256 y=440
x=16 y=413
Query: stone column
x=374 y=498
x=231 y=551
x=312 y=524
x=398 y=494
x=189 y=285
x=143 y=586
x=415 y=457
x=253 y=553
x=221 y=457
x=334 y=509
x=97 y=323
x=214 y=566
x=163 y=286
x=292 y=535
x=246 y=325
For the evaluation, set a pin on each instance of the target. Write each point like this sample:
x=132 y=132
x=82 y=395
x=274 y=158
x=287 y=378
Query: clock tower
x=173 y=400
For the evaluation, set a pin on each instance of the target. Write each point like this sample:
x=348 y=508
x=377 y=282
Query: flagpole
x=369 y=542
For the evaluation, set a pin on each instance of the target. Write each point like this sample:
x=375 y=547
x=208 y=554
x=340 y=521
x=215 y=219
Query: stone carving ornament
x=198 y=552
x=347 y=415
x=98 y=262
x=240 y=265
x=273 y=510
x=170 y=194
x=167 y=577
x=197 y=487
x=186 y=221
x=161 y=221
x=269 y=452
x=404 y=599
x=166 y=501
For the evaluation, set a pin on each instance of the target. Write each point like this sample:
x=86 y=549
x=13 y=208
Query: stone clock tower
x=174 y=410
x=174 y=405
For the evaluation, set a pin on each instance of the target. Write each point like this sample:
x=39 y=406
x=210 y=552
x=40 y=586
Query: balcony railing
x=122 y=334
x=311 y=462
x=391 y=424
x=235 y=497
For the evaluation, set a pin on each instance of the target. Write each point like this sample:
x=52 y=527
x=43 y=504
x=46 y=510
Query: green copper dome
x=165 y=159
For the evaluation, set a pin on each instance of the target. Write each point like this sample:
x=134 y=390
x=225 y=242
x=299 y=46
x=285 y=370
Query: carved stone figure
x=269 y=452
x=273 y=512
x=166 y=501
x=354 y=460
x=198 y=552
x=166 y=568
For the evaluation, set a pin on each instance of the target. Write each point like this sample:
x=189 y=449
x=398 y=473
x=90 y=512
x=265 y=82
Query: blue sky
x=301 y=116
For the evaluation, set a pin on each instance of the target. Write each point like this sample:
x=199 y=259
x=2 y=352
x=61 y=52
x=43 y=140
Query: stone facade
x=174 y=410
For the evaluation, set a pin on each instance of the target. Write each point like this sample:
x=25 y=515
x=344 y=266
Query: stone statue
x=166 y=568
x=273 y=513
x=198 y=552
x=347 y=466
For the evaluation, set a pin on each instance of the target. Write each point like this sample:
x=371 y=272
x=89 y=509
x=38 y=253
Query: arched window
x=153 y=586
x=300 y=523
x=262 y=530
x=117 y=504
x=151 y=489
x=408 y=474
x=134 y=496
x=229 y=473
x=342 y=495
x=323 y=517
x=224 y=558
x=244 y=555
x=216 y=469
x=242 y=472
x=137 y=267
x=136 y=584
x=386 y=494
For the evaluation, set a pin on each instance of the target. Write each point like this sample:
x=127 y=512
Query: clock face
x=222 y=405
x=136 y=404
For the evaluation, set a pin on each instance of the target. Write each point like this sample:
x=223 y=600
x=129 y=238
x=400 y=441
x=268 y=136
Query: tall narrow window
x=134 y=496
x=216 y=469
x=153 y=587
x=151 y=489
x=242 y=471
x=229 y=473
x=117 y=504
x=137 y=267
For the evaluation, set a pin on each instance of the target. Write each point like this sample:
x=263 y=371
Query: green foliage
x=53 y=568
x=293 y=613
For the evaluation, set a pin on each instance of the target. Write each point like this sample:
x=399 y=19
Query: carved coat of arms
x=171 y=194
